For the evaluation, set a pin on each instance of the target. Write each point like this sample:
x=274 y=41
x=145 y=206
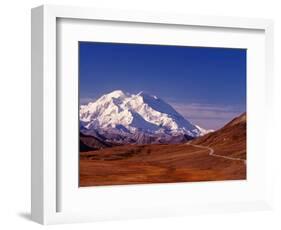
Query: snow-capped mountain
x=135 y=118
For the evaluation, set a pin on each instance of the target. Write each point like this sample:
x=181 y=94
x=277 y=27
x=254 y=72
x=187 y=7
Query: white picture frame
x=46 y=166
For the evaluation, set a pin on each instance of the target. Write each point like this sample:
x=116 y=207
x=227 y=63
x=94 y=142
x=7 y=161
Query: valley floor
x=140 y=164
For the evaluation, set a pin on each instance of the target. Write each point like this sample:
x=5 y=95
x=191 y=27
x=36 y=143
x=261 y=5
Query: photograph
x=151 y=113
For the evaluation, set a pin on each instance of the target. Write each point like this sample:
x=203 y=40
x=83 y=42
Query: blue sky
x=206 y=85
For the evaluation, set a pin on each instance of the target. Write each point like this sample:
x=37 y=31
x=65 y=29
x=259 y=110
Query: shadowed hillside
x=90 y=143
x=229 y=140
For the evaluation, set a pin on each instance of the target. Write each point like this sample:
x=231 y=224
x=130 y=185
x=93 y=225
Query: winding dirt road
x=212 y=153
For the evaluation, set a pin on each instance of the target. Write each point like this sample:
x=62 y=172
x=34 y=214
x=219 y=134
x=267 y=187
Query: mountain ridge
x=230 y=140
x=136 y=118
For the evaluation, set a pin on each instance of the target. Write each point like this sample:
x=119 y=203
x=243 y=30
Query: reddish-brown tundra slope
x=220 y=155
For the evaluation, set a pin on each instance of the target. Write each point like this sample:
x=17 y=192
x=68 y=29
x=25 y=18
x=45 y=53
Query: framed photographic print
x=139 y=114
x=140 y=137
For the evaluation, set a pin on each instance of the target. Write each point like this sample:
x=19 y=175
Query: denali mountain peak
x=116 y=94
x=141 y=118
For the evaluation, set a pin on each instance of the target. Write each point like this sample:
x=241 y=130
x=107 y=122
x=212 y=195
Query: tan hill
x=229 y=140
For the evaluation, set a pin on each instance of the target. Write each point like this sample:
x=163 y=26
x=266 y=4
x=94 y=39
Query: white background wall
x=15 y=113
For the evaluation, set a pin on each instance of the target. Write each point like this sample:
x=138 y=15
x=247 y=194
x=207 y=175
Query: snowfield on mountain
x=141 y=118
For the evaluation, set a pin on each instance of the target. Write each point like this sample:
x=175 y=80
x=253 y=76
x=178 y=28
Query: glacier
x=141 y=118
